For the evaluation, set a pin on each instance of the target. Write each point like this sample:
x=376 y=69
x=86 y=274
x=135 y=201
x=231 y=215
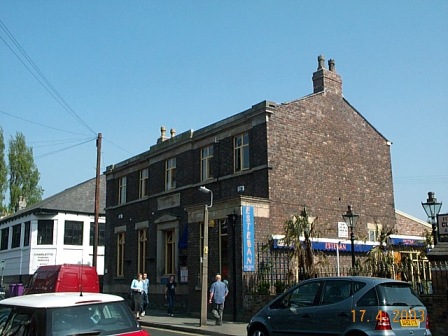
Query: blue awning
x=331 y=244
x=343 y=247
x=407 y=241
x=328 y=244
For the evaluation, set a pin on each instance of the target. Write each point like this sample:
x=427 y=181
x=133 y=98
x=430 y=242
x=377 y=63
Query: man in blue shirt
x=145 y=294
x=218 y=293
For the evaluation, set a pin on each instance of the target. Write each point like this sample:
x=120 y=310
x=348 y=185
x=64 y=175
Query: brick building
x=262 y=165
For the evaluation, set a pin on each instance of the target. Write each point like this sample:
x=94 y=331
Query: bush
x=280 y=287
x=263 y=288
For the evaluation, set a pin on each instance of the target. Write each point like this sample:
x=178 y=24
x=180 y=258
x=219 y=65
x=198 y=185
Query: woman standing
x=137 y=294
x=170 y=292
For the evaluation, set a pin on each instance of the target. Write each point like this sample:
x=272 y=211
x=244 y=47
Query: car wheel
x=258 y=331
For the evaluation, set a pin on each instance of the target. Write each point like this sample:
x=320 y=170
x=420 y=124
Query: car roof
x=371 y=280
x=60 y=299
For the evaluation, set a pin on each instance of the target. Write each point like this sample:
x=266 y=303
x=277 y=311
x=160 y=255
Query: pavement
x=160 y=319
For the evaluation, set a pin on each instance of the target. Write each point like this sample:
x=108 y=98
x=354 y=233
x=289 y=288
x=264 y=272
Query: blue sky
x=125 y=68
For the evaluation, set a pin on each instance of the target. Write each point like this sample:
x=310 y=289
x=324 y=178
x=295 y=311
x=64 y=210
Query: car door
x=335 y=307
x=294 y=313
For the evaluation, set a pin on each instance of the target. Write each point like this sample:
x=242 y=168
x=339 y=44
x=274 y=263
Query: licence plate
x=409 y=323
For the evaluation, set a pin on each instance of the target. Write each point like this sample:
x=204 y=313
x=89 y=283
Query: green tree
x=3 y=173
x=23 y=174
x=299 y=230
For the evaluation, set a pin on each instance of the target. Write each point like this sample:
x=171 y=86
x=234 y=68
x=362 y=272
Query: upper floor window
x=143 y=186
x=170 y=174
x=73 y=233
x=101 y=228
x=241 y=146
x=373 y=231
x=26 y=236
x=122 y=190
x=16 y=232
x=4 y=239
x=206 y=158
x=45 y=232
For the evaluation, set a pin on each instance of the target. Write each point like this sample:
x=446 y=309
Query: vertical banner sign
x=248 y=239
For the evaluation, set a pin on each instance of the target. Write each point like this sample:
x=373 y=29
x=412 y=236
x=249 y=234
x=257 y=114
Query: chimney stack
x=327 y=80
x=22 y=203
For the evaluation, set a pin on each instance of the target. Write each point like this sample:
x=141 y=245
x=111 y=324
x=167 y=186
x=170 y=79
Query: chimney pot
x=320 y=62
x=173 y=132
x=331 y=65
x=162 y=134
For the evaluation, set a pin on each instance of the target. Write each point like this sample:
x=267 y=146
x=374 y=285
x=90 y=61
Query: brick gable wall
x=325 y=155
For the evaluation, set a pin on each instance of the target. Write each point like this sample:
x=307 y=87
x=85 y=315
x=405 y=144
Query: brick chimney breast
x=327 y=80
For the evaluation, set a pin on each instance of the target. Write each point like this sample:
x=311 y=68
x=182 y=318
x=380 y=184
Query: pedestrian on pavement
x=145 y=300
x=170 y=293
x=137 y=291
x=218 y=293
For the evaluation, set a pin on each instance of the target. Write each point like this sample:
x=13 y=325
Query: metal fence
x=440 y=277
x=272 y=271
x=273 y=274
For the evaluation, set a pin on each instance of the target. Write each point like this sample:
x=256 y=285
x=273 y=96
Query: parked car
x=62 y=314
x=346 y=306
x=64 y=278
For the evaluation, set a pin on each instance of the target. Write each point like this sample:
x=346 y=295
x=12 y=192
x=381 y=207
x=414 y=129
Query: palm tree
x=380 y=259
x=299 y=230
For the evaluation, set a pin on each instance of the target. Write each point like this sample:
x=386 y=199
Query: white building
x=57 y=230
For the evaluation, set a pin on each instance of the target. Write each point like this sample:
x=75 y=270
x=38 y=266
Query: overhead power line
x=64 y=149
x=38 y=124
x=421 y=179
x=40 y=77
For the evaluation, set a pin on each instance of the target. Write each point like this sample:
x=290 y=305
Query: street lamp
x=203 y=320
x=350 y=219
x=432 y=209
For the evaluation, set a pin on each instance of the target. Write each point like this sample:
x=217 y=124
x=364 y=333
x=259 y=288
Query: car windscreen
x=397 y=294
x=109 y=318
x=17 y=320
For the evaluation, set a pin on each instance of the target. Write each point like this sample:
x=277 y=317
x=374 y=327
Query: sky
x=70 y=70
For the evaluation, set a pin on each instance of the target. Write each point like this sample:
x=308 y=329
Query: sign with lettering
x=248 y=239
x=442 y=225
x=342 y=230
x=42 y=258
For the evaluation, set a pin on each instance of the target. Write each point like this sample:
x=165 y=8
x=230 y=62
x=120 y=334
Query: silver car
x=346 y=306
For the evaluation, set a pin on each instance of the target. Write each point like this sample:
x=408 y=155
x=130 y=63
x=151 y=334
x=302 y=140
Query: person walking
x=218 y=293
x=170 y=292
x=145 y=300
x=137 y=291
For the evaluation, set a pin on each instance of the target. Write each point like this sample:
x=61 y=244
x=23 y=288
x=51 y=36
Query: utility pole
x=97 y=199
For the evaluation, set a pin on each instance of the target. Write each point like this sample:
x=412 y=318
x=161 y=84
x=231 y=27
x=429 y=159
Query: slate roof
x=79 y=199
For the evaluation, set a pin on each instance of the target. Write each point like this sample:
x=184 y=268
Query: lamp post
x=350 y=219
x=432 y=209
x=204 y=284
x=232 y=218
